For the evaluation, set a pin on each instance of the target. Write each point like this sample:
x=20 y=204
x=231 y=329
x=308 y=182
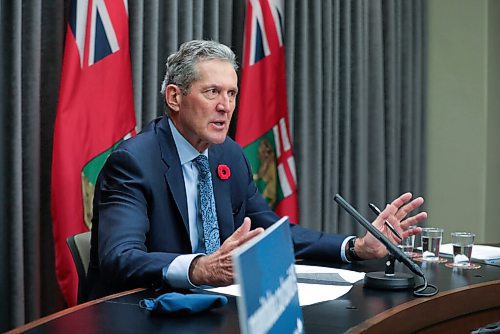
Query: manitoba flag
x=262 y=127
x=94 y=113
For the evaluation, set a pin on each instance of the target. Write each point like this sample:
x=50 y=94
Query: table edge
x=69 y=310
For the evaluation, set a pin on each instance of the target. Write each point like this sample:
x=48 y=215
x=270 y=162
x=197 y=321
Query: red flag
x=262 y=127
x=94 y=113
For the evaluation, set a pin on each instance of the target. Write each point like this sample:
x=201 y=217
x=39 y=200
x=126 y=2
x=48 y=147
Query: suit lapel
x=173 y=172
x=222 y=194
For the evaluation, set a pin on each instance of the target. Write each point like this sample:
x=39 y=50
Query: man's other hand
x=217 y=269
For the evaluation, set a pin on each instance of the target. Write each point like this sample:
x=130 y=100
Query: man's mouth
x=219 y=124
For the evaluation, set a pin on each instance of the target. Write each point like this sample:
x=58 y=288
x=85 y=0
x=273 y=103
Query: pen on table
x=377 y=211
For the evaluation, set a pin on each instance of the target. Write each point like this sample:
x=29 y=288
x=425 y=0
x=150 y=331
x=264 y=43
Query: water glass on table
x=431 y=238
x=462 y=250
x=408 y=243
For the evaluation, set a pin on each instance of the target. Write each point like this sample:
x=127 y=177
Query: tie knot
x=201 y=162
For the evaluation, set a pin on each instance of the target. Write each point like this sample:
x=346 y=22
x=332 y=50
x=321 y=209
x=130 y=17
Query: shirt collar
x=186 y=151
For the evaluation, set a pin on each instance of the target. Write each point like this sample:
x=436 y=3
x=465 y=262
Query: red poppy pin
x=223 y=172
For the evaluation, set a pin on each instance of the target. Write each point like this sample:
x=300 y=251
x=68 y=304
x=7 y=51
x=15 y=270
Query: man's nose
x=224 y=104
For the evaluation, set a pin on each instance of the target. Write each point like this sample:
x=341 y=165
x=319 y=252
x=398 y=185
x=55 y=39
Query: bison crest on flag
x=271 y=156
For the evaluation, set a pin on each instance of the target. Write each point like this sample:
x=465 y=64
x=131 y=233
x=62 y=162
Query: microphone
x=384 y=280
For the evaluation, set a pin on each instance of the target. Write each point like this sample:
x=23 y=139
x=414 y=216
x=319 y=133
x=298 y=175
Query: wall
x=463 y=121
x=492 y=217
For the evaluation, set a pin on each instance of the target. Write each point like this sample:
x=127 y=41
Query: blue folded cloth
x=174 y=303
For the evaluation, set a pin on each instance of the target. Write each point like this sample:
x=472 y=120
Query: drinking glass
x=407 y=244
x=431 y=242
x=462 y=248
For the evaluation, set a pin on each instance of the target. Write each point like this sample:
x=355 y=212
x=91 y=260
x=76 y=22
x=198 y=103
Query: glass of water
x=462 y=248
x=408 y=243
x=431 y=238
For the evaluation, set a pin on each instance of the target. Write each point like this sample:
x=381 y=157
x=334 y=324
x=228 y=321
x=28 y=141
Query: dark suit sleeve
x=308 y=244
x=121 y=217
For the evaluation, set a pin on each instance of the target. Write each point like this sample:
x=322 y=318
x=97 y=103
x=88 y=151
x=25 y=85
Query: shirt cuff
x=176 y=275
x=342 y=249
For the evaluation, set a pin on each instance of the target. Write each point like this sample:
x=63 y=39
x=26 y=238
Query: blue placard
x=264 y=268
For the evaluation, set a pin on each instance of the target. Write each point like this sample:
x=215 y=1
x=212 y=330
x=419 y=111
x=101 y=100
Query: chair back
x=79 y=246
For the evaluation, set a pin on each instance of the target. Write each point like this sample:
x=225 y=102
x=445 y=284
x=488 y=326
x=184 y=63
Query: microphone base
x=397 y=281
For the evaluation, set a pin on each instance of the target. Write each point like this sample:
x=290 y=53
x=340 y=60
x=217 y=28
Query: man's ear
x=173 y=97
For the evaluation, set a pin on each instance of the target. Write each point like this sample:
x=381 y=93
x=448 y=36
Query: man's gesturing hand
x=217 y=269
x=396 y=213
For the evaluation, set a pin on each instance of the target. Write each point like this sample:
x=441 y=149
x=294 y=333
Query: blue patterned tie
x=207 y=205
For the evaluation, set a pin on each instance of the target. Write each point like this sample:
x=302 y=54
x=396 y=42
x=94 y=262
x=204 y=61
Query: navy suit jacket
x=140 y=219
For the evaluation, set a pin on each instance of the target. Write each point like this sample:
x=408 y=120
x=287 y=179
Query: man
x=147 y=227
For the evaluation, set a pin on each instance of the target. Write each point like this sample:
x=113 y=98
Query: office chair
x=79 y=246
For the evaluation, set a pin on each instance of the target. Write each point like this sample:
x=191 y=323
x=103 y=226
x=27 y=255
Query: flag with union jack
x=94 y=113
x=262 y=127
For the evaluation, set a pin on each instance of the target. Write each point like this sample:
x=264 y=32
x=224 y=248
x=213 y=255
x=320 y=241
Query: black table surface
x=123 y=314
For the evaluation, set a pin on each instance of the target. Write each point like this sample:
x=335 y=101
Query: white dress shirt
x=177 y=274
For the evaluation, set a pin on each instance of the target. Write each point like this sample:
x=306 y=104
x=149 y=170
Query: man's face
x=203 y=115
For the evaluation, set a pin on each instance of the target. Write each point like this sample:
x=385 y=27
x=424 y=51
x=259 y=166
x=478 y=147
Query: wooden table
x=467 y=299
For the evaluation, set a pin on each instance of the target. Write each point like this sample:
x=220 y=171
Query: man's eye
x=212 y=92
x=231 y=93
